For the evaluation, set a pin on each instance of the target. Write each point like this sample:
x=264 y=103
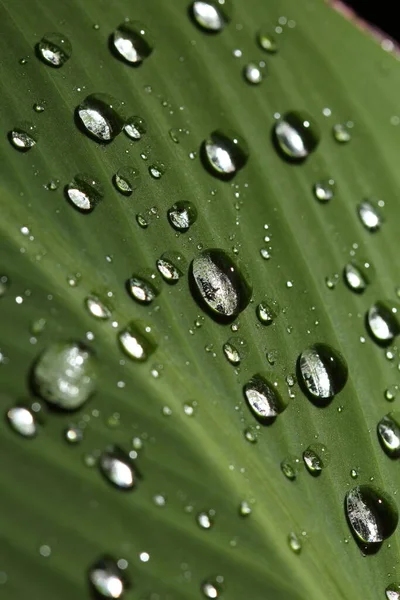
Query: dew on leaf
x=97 y=307
x=84 y=192
x=22 y=420
x=324 y=190
x=323 y=372
x=263 y=399
x=316 y=458
x=212 y=588
x=54 y=49
x=389 y=434
x=142 y=289
x=135 y=128
x=211 y=15
x=295 y=136
x=267 y=42
x=157 y=170
x=392 y=591
x=204 y=520
x=234 y=350
x=106 y=579
x=118 y=469
x=224 y=153
x=39 y=107
x=182 y=215
x=73 y=434
x=254 y=72
x=294 y=542
x=341 y=133
x=245 y=509
x=132 y=42
x=100 y=116
x=267 y=311
x=290 y=467
x=391 y=392
x=125 y=180
x=167 y=266
x=370 y=215
x=383 y=322
x=250 y=435
x=371 y=513
x=357 y=275
x=136 y=341
x=23 y=137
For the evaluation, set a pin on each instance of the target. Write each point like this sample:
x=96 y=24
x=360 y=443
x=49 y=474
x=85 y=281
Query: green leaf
x=60 y=515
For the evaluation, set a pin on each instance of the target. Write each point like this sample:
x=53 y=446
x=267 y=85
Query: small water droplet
x=142 y=289
x=157 y=170
x=211 y=15
x=224 y=154
x=250 y=435
x=391 y=392
x=253 y=72
x=354 y=473
x=84 y=192
x=267 y=311
x=316 y=458
x=54 y=49
x=296 y=136
x=107 y=579
x=267 y=42
x=135 y=128
x=73 y=434
x=290 y=467
x=371 y=513
x=323 y=371
x=392 y=591
x=389 y=434
x=136 y=342
x=294 y=542
x=23 y=421
x=132 y=42
x=125 y=180
x=39 y=107
x=23 y=137
x=341 y=133
x=205 y=520
x=97 y=307
x=118 y=468
x=212 y=589
x=383 y=322
x=357 y=275
x=100 y=116
x=182 y=215
x=167 y=267
x=245 y=509
x=263 y=399
x=324 y=190
x=370 y=215
x=234 y=350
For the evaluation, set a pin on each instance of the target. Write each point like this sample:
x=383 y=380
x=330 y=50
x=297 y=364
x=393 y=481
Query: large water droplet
x=125 y=180
x=107 y=579
x=224 y=154
x=263 y=399
x=54 y=49
x=23 y=137
x=182 y=215
x=136 y=341
x=118 y=468
x=142 y=289
x=211 y=15
x=392 y=591
x=371 y=513
x=323 y=371
x=324 y=190
x=389 y=434
x=135 y=128
x=370 y=215
x=219 y=284
x=132 y=42
x=357 y=275
x=65 y=375
x=22 y=420
x=383 y=322
x=100 y=116
x=84 y=192
x=296 y=136
x=316 y=458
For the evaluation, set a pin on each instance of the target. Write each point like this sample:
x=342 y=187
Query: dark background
x=384 y=14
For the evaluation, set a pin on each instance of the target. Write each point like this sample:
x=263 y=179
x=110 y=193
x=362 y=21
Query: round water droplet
x=296 y=136
x=23 y=421
x=157 y=170
x=211 y=15
x=141 y=289
x=371 y=513
x=73 y=434
x=101 y=117
x=125 y=180
x=294 y=542
x=267 y=42
x=323 y=371
x=250 y=435
x=204 y=520
x=136 y=342
x=211 y=589
x=244 y=509
x=267 y=311
x=254 y=72
x=219 y=284
x=324 y=190
x=84 y=192
x=65 y=375
x=132 y=42
x=97 y=307
x=106 y=579
x=54 y=49
x=316 y=458
x=224 y=154
x=389 y=434
x=23 y=137
x=182 y=215
x=357 y=275
x=118 y=468
x=383 y=322
x=341 y=133
x=290 y=467
x=263 y=399
x=234 y=350
x=135 y=128
x=168 y=269
x=392 y=591
x=370 y=215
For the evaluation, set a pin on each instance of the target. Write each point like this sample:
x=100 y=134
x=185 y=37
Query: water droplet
x=392 y=591
x=204 y=520
x=316 y=458
x=107 y=579
x=167 y=268
x=254 y=72
x=357 y=275
x=389 y=434
x=100 y=116
x=383 y=322
x=294 y=542
x=97 y=307
x=39 y=107
x=370 y=215
x=296 y=136
x=118 y=468
x=341 y=133
x=250 y=435
x=84 y=192
x=135 y=128
x=391 y=392
x=245 y=509
x=54 y=49
x=211 y=589
x=141 y=289
x=371 y=513
x=267 y=311
x=136 y=342
x=263 y=399
x=219 y=284
x=267 y=42
x=157 y=170
x=324 y=190
x=353 y=473
x=23 y=137
x=224 y=154
x=125 y=180
x=323 y=371
x=290 y=467
x=132 y=42
x=211 y=15
x=22 y=420
x=73 y=434
x=234 y=350
x=65 y=375
x=182 y=215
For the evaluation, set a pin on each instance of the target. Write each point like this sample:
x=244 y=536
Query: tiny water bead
x=389 y=434
x=97 y=307
x=101 y=117
x=323 y=371
x=132 y=42
x=107 y=579
x=294 y=542
x=290 y=467
x=136 y=341
x=392 y=591
x=267 y=311
x=224 y=153
x=118 y=468
x=324 y=190
x=135 y=128
x=212 y=589
x=211 y=15
x=267 y=42
x=234 y=350
x=357 y=275
x=316 y=458
x=245 y=509
x=168 y=269
x=73 y=434
x=219 y=283
x=125 y=180
x=142 y=289
x=65 y=375
x=22 y=420
x=296 y=136
x=371 y=513
x=205 y=519
x=84 y=192
x=254 y=72
x=54 y=49
x=23 y=137
x=370 y=215
x=263 y=399
x=341 y=133
x=383 y=322
x=182 y=215
x=157 y=170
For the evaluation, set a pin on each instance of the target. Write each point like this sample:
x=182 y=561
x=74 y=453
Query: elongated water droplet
x=263 y=399
x=84 y=192
x=383 y=322
x=245 y=509
x=290 y=467
x=211 y=15
x=371 y=513
x=97 y=307
x=316 y=458
x=234 y=350
x=267 y=42
x=267 y=311
x=224 y=153
x=357 y=275
x=323 y=371
x=142 y=289
x=219 y=284
x=324 y=190
x=132 y=42
x=392 y=591
x=341 y=133
x=65 y=375
x=296 y=136
x=125 y=180
x=118 y=468
x=389 y=434
x=205 y=520
x=135 y=128
x=54 y=49
x=23 y=137
x=211 y=589
x=370 y=215
x=254 y=72
x=136 y=341
x=294 y=542
x=23 y=421
x=182 y=215
x=168 y=269
x=101 y=117
x=107 y=579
